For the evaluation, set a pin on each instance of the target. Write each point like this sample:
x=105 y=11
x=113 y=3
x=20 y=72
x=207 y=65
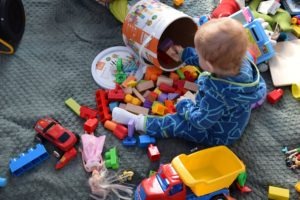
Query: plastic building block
x=191 y=86
x=274 y=96
x=152 y=73
x=112 y=159
x=297 y=186
x=166 y=88
x=172 y=96
x=116 y=95
x=277 y=193
x=102 y=105
x=28 y=160
x=3 y=182
x=296 y=91
x=120 y=75
x=147 y=104
x=153 y=152
x=66 y=158
x=145 y=140
x=145 y=85
x=162 y=97
x=180 y=74
x=170 y=106
x=152 y=96
x=157 y=91
x=174 y=76
x=112 y=105
x=118 y=130
x=128 y=79
x=87 y=113
x=164 y=79
x=136 y=109
x=131 y=99
x=296 y=30
x=178 y=2
x=73 y=105
x=138 y=95
x=90 y=125
x=130 y=140
x=165 y=44
x=158 y=108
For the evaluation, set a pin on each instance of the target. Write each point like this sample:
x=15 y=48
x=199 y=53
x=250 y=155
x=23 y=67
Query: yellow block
x=296 y=30
x=277 y=193
x=297 y=186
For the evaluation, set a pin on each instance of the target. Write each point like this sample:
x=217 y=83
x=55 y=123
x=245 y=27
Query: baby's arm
x=204 y=114
x=190 y=56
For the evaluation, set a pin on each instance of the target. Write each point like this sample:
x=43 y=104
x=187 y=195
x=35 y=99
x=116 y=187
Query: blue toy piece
x=3 y=182
x=145 y=140
x=112 y=105
x=28 y=160
x=129 y=142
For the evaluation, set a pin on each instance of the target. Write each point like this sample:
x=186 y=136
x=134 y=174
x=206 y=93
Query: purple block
x=147 y=104
x=162 y=97
x=172 y=96
x=166 y=44
x=130 y=128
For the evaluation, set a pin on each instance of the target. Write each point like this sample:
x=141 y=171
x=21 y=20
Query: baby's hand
x=175 y=52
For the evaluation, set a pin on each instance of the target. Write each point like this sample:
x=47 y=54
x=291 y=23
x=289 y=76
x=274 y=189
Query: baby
x=228 y=87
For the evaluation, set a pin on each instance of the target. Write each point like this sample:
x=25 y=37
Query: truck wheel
x=219 y=197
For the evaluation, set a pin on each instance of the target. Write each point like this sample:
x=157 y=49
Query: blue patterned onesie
x=222 y=109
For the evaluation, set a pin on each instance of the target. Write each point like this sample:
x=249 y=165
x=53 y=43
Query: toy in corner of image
x=12 y=24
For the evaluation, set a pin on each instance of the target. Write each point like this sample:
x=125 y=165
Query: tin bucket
x=149 y=23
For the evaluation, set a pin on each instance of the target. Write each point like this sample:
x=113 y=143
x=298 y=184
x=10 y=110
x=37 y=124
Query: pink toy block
x=145 y=85
x=164 y=79
x=136 y=109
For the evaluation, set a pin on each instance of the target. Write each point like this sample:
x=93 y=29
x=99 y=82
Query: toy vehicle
x=203 y=175
x=51 y=130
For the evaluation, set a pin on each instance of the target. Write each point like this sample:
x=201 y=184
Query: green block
x=241 y=179
x=120 y=77
x=112 y=159
x=180 y=74
x=73 y=105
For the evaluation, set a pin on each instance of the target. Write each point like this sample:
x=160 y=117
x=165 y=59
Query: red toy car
x=51 y=130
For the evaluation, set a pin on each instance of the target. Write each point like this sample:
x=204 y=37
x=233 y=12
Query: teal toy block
x=112 y=159
x=28 y=160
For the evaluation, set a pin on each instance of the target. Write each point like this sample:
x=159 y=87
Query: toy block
x=152 y=96
x=130 y=140
x=193 y=70
x=122 y=105
x=112 y=105
x=138 y=95
x=146 y=93
x=277 y=193
x=112 y=159
x=180 y=74
x=170 y=106
x=88 y=113
x=174 y=76
x=153 y=153
x=102 y=105
x=3 y=182
x=145 y=140
x=73 y=105
x=151 y=173
x=190 y=95
x=157 y=91
x=128 y=79
x=190 y=86
x=127 y=90
x=116 y=95
x=66 y=158
x=90 y=125
x=147 y=104
x=118 y=130
x=296 y=90
x=178 y=2
x=136 y=109
x=274 y=96
x=145 y=85
x=162 y=97
x=28 y=160
x=152 y=73
x=296 y=30
x=164 y=79
x=166 y=88
x=165 y=44
x=179 y=85
x=131 y=99
x=158 y=108
x=172 y=96
x=132 y=83
x=297 y=186
x=189 y=76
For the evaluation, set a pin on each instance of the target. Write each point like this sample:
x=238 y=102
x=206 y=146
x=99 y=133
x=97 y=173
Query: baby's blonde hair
x=223 y=43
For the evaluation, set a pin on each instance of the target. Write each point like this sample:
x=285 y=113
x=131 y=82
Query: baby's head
x=221 y=44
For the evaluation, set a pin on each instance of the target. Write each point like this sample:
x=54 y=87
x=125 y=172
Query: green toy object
x=282 y=17
x=112 y=159
x=120 y=75
x=119 y=9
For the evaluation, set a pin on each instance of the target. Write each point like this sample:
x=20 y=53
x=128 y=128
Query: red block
x=116 y=94
x=90 y=125
x=166 y=88
x=102 y=105
x=118 y=130
x=274 y=96
x=87 y=113
x=153 y=152
x=188 y=76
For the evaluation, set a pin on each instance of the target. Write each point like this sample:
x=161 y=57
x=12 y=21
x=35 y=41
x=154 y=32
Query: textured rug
x=53 y=63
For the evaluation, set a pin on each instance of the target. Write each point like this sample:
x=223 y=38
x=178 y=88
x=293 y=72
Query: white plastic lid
x=104 y=66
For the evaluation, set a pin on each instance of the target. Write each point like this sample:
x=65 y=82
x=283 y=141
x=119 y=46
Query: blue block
x=129 y=142
x=172 y=96
x=145 y=140
x=112 y=105
x=3 y=182
x=28 y=160
x=162 y=97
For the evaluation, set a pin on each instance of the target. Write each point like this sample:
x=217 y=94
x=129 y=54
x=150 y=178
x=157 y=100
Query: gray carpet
x=53 y=63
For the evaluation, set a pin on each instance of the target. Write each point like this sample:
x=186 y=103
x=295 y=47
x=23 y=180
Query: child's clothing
x=222 y=109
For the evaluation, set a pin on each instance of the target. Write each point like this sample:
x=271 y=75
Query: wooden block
x=138 y=95
x=164 y=79
x=122 y=105
x=145 y=85
x=190 y=86
x=146 y=93
x=136 y=109
x=127 y=90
